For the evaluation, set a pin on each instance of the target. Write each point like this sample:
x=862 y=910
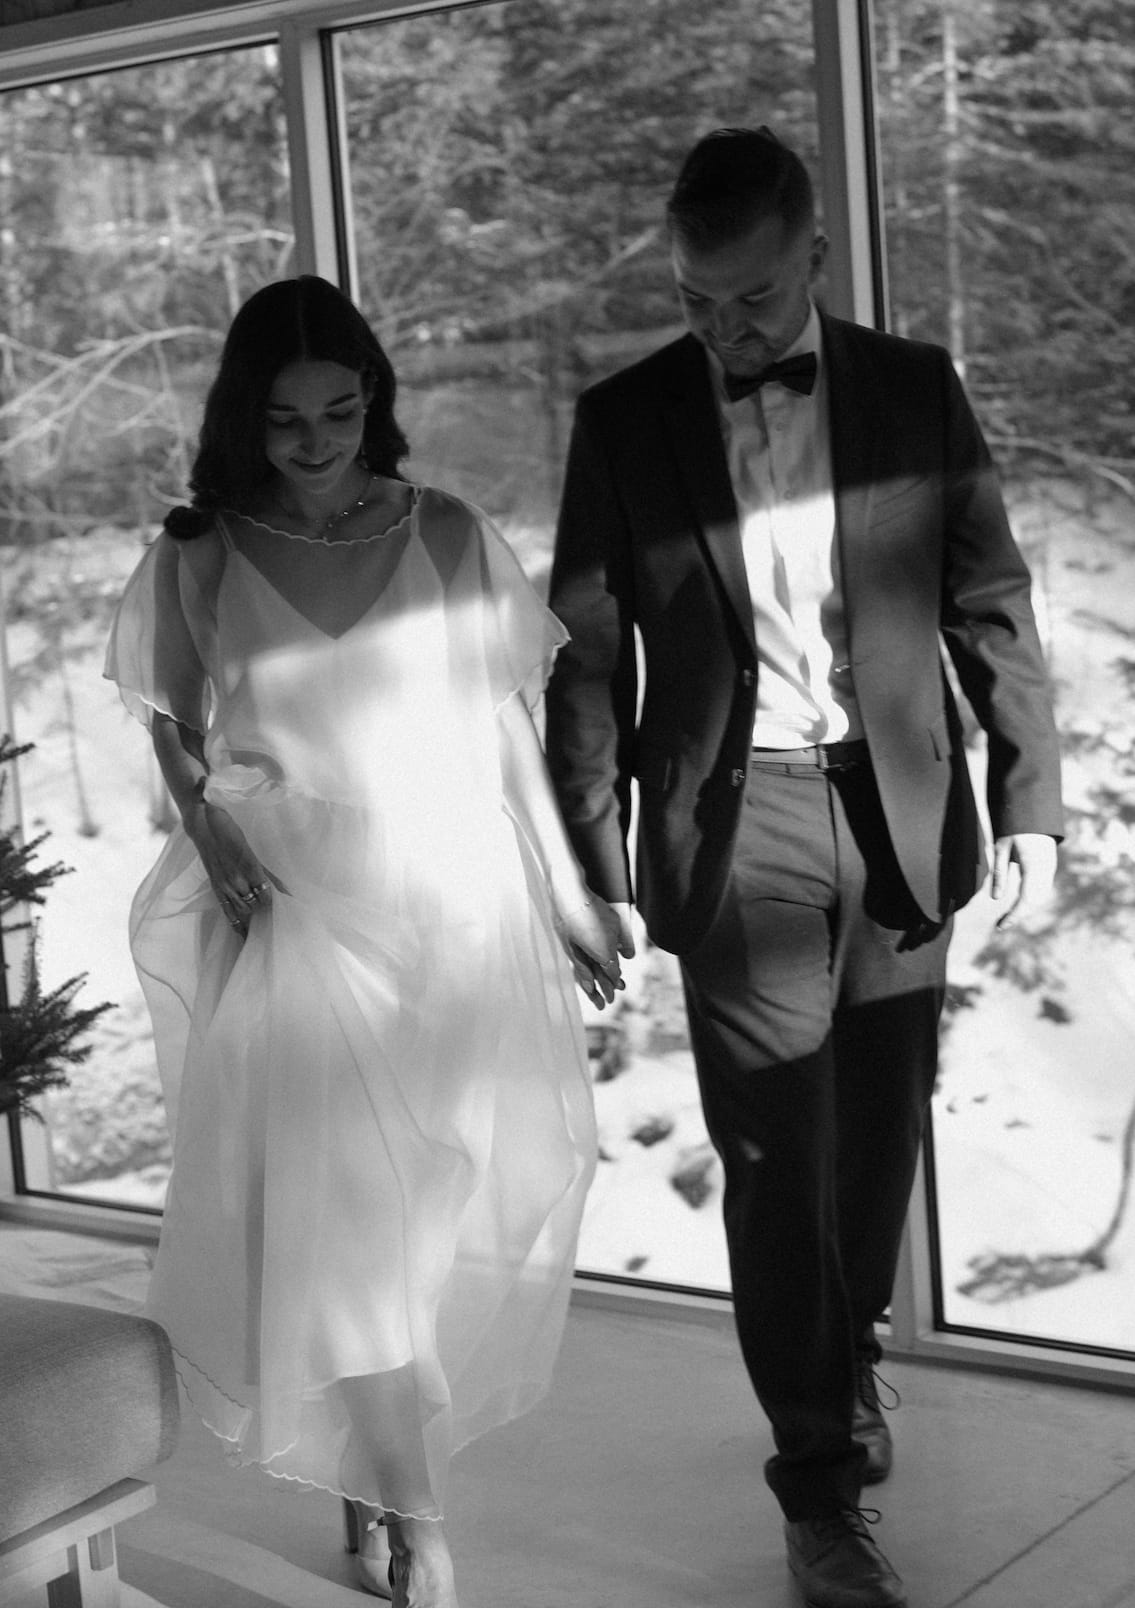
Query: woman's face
x=314 y=424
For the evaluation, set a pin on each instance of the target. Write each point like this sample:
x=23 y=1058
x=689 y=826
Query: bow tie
x=797 y=373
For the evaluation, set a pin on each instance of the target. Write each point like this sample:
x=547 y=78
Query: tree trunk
x=951 y=189
x=900 y=196
x=217 y=212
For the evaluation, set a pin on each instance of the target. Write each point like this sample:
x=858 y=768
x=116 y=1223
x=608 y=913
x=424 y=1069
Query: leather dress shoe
x=868 y=1426
x=837 y=1565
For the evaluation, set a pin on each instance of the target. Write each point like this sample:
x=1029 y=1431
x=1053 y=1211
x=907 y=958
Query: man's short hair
x=734 y=178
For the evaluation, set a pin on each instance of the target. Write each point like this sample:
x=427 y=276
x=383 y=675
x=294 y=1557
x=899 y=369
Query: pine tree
x=40 y=1033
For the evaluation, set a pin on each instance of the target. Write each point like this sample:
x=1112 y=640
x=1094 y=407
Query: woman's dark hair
x=733 y=179
x=292 y=320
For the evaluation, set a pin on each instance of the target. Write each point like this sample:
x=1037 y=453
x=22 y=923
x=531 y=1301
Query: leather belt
x=821 y=757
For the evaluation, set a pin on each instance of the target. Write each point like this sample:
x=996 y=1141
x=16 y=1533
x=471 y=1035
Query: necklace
x=322 y=529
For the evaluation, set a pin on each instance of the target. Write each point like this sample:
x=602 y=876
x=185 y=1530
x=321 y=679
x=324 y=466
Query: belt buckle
x=840 y=759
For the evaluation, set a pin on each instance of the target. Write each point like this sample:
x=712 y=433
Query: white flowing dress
x=380 y=1102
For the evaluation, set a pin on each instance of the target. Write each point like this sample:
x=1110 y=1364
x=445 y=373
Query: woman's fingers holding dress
x=241 y=897
x=233 y=910
x=240 y=882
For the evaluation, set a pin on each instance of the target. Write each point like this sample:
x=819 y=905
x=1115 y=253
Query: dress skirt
x=380 y=1102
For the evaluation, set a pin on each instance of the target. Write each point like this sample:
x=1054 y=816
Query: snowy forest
x=507 y=167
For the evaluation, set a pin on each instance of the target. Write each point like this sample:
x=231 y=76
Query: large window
x=139 y=209
x=509 y=166
x=504 y=168
x=1010 y=207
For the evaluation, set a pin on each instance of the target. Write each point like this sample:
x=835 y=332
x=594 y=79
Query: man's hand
x=1034 y=853
x=626 y=930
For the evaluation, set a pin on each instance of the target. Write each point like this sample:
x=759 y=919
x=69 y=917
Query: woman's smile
x=314 y=424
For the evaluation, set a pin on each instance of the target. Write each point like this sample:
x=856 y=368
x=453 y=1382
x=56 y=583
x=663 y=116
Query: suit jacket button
x=747 y=678
x=737 y=777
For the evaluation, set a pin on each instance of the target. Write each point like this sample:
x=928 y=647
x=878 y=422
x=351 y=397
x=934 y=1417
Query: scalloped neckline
x=348 y=541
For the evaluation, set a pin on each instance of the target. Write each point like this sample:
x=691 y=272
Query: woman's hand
x=240 y=882
x=590 y=934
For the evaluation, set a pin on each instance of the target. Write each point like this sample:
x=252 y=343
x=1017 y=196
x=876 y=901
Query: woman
x=353 y=947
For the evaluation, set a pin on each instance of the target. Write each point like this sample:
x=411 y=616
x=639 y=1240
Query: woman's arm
x=181 y=755
x=589 y=929
x=239 y=881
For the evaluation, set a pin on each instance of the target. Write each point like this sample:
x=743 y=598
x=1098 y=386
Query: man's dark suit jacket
x=649 y=537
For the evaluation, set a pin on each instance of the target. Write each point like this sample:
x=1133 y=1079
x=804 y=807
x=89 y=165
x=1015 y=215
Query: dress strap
x=226 y=533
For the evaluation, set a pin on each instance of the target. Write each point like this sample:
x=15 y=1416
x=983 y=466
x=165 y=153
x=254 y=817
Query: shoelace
x=863 y=1515
x=853 y=1519
x=871 y=1382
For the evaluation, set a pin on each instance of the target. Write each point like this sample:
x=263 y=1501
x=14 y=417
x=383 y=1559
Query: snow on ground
x=1037 y=1087
x=1034 y=1097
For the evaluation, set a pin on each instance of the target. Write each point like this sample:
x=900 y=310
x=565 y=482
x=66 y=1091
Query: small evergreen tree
x=40 y=1033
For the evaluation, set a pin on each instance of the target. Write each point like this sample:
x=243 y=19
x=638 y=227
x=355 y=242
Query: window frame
x=136 y=32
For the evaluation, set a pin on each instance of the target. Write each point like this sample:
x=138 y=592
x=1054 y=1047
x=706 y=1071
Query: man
x=795 y=544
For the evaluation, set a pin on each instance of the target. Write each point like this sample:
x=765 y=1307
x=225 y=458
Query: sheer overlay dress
x=382 y=1118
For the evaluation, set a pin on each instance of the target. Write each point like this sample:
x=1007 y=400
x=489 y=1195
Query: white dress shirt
x=778 y=444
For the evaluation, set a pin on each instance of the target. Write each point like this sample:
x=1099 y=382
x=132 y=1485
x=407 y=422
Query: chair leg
x=92 y=1579
x=102 y=1550
x=99 y=1585
x=63 y=1592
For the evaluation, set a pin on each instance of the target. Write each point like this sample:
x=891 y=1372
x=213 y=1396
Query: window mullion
x=856 y=273
x=912 y=1299
x=856 y=289
x=313 y=132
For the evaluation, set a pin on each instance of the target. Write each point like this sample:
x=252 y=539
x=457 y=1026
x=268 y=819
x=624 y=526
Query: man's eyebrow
x=336 y=401
x=700 y=295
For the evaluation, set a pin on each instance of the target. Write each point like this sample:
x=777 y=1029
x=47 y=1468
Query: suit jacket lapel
x=692 y=421
x=853 y=415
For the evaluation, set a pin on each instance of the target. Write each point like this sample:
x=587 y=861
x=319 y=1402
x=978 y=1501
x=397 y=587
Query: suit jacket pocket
x=654 y=767
x=940 y=738
x=890 y=495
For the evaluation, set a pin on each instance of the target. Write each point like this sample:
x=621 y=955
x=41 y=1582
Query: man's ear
x=818 y=254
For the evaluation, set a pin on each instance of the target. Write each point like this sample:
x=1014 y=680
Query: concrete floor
x=637 y=1484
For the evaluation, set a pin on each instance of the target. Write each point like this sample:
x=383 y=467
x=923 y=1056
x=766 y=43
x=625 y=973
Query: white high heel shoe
x=365 y=1536
x=425 y=1556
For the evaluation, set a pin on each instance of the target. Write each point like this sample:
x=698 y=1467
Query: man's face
x=747 y=301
